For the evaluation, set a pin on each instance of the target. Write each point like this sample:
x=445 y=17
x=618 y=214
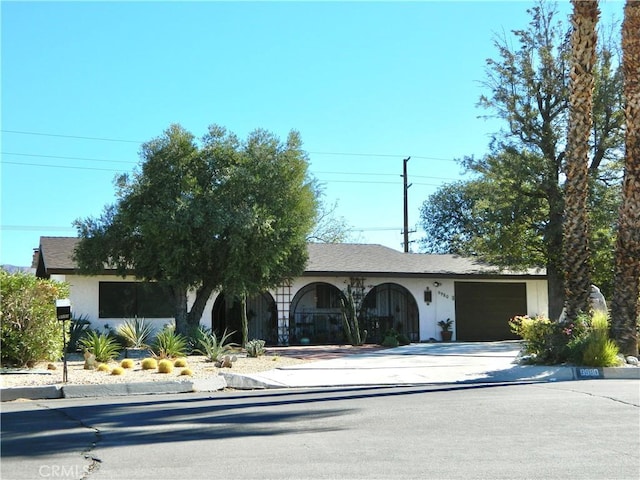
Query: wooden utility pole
x=406 y=205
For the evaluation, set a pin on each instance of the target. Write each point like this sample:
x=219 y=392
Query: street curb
x=246 y=382
x=9 y=394
x=47 y=392
x=120 y=389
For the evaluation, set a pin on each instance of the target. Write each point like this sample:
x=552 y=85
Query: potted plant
x=446 y=332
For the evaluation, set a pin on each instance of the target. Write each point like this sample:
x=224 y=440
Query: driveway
x=421 y=363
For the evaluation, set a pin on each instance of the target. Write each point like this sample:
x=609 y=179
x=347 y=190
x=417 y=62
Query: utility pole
x=406 y=205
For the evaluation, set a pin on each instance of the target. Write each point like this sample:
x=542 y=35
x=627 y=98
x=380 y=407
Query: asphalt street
x=588 y=429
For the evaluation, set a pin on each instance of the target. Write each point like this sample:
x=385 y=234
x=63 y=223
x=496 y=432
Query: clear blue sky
x=366 y=84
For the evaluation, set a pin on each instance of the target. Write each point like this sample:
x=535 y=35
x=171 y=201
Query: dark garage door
x=483 y=309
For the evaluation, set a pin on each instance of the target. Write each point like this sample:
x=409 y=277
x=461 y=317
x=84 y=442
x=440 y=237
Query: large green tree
x=511 y=211
x=269 y=210
x=174 y=218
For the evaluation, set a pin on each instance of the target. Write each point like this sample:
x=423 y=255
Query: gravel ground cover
x=41 y=374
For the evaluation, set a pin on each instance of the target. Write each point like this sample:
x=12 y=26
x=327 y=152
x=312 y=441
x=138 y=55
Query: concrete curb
x=259 y=382
x=114 y=389
x=247 y=382
x=8 y=394
x=120 y=389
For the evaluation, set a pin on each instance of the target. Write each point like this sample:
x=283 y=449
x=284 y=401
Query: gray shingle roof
x=335 y=259
x=378 y=260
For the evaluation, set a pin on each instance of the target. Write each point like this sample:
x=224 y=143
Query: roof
x=335 y=259
x=377 y=260
x=55 y=255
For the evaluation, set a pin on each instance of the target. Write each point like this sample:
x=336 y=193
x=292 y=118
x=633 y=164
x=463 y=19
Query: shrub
x=180 y=363
x=134 y=333
x=29 y=329
x=165 y=366
x=117 y=371
x=537 y=333
x=255 y=348
x=212 y=347
x=186 y=371
x=149 y=364
x=103 y=367
x=102 y=345
x=585 y=341
x=127 y=363
x=394 y=339
x=595 y=348
x=390 y=341
x=169 y=344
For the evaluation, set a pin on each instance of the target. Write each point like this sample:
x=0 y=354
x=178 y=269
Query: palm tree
x=575 y=229
x=625 y=308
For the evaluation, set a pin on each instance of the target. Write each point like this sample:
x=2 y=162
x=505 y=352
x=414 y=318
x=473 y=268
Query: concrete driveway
x=421 y=363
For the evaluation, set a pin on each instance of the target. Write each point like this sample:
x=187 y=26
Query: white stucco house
x=409 y=292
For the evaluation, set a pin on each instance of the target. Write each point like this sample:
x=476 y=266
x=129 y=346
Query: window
x=326 y=296
x=134 y=299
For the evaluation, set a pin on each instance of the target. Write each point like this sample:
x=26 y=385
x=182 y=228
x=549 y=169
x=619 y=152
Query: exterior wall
x=84 y=299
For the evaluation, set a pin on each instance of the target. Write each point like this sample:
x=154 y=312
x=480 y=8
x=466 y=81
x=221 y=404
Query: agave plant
x=212 y=347
x=102 y=345
x=135 y=332
x=78 y=329
x=169 y=344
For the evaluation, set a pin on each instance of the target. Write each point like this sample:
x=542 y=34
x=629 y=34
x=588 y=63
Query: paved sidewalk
x=422 y=363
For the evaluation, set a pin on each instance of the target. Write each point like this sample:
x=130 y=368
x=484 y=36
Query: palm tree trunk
x=576 y=234
x=625 y=306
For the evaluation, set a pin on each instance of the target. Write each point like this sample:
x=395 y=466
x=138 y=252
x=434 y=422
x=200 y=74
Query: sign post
x=63 y=312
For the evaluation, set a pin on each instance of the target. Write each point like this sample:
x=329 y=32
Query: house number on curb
x=589 y=372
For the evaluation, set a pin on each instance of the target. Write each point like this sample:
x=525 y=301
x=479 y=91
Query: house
x=409 y=292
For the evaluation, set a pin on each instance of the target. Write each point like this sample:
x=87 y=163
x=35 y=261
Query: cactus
x=180 y=363
x=165 y=366
x=117 y=371
x=226 y=362
x=103 y=367
x=350 y=319
x=127 y=363
x=149 y=364
x=186 y=371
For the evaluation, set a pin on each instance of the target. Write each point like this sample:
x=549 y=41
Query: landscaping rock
x=631 y=360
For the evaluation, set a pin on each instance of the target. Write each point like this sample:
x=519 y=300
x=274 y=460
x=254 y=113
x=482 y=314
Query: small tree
x=30 y=331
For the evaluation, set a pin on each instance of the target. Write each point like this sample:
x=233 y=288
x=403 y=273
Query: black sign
x=589 y=372
x=64 y=313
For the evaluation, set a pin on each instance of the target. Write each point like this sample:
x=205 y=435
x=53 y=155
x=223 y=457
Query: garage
x=483 y=310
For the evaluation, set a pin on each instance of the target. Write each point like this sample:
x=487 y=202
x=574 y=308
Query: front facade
x=405 y=291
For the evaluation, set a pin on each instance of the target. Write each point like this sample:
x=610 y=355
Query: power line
x=67 y=158
x=105 y=139
x=62 y=157
x=78 y=137
x=71 y=167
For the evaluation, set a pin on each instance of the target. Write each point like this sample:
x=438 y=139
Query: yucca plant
x=212 y=347
x=135 y=332
x=102 y=345
x=169 y=344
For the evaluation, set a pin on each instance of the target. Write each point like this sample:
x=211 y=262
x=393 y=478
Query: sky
x=366 y=84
